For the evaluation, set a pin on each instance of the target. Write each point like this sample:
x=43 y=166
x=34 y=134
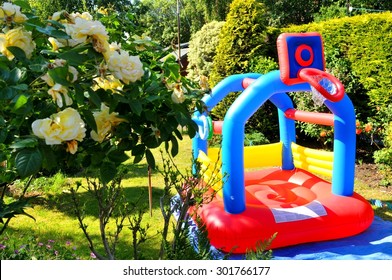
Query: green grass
x=56 y=221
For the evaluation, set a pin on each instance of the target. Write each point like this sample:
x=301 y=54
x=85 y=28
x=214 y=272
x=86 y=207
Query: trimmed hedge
x=365 y=43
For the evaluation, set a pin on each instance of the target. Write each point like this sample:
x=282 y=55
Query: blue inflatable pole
x=344 y=146
x=286 y=128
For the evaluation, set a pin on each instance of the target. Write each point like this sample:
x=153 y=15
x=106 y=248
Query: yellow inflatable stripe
x=255 y=156
x=210 y=171
x=313 y=168
x=319 y=154
x=313 y=161
x=263 y=155
x=213 y=154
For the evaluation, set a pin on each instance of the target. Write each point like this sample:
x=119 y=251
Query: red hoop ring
x=307 y=74
x=298 y=55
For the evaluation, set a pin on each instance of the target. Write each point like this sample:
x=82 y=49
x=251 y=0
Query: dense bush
x=383 y=122
x=202 y=50
x=243 y=47
x=365 y=44
x=241 y=38
x=357 y=52
x=330 y=12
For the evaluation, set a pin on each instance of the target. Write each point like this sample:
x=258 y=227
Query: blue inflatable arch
x=270 y=87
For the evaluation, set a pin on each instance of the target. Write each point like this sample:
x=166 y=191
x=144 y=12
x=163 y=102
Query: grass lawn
x=57 y=224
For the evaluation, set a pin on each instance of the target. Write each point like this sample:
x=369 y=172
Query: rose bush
x=77 y=94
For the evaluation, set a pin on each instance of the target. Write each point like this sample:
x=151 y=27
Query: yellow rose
x=59 y=94
x=112 y=47
x=11 y=13
x=17 y=37
x=62 y=17
x=105 y=121
x=84 y=15
x=56 y=16
x=178 y=96
x=65 y=126
x=83 y=30
x=107 y=83
x=125 y=67
x=57 y=44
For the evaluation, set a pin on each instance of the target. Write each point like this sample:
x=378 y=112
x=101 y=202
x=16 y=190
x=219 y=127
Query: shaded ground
x=368 y=174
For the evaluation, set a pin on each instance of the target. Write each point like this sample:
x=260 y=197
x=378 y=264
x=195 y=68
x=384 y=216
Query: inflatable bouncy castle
x=298 y=193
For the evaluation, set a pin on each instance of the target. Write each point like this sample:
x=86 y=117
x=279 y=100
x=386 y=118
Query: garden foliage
x=79 y=93
x=202 y=50
x=357 y=52
x=240 y=39
x=245 y=46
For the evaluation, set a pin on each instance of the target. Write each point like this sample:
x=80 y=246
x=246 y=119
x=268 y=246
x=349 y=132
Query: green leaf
x=56 y=23
x=136 y=107
x=21 y=101
x=178 y=134
x=79 y=93
x=60 y=75
x=49 y=161
x=74 y=58
x=150 y=159
x=89 y=118
x=23 y=87
x=15 y=75
x=28 y=162
x=59 y=34
x=118 y=156
x=138 y=150
x=174 y=149
x=7 y=93
x=97 y=157
x=108 y=171
x=15 y=208
x=3 y=135
x=94 y=98
x=52 y=32
x=22 y=104
x=152 y=89
x=25 y=143
x=18 y=53
x=23 y=4
x=137 y=158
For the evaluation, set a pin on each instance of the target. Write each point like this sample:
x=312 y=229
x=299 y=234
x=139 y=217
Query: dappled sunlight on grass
x=56 y=220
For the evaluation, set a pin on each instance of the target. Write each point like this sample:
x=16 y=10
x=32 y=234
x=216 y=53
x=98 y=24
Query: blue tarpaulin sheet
x=373 y=244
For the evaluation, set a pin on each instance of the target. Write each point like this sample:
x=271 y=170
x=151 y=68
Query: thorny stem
x=83 y=226
x=21 y=197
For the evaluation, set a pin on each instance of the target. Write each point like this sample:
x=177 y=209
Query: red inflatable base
x=297 y=205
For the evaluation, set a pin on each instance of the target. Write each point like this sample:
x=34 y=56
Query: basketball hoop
x=318 y=98
x=322 y=83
